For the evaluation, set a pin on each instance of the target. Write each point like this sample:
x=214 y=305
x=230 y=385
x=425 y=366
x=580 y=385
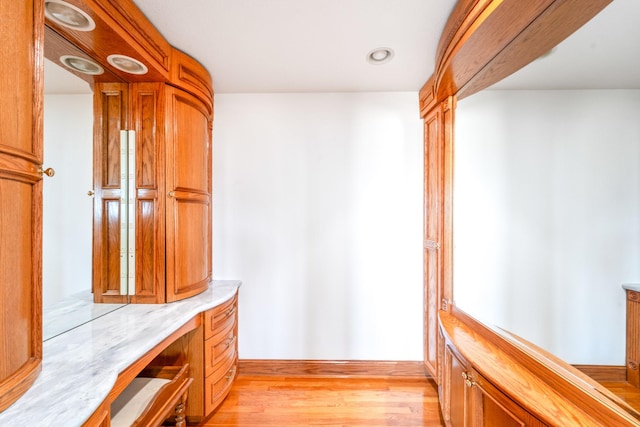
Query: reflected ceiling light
x=381 y=55
x=81 y=65
x=68 y=15
x=127 y=64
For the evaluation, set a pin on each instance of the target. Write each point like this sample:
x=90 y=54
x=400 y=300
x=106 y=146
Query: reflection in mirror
x=547 y=195
x=67 y=207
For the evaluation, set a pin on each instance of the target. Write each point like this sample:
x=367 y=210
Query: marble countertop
x=635 y=287
x=80 y=367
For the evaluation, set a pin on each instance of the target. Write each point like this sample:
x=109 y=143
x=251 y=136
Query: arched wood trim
x=484 y=41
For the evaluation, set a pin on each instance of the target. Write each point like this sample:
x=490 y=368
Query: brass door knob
x=90 y=193
x=48 y=171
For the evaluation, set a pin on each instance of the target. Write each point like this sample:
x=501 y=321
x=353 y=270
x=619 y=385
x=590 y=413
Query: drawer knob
x=231 y=374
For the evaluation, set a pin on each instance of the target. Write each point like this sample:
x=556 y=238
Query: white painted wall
x=318 y=209
x=547 y=203
x=67 y=217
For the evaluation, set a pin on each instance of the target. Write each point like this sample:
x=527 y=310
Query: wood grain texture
x=332 y=368
x=633 y=338
x=147 y=111
x=549 y=389
x=486 y=40
x=21 y=130
x=315 y=400
x=188 y=205
x=111 y=114
x=602 y=373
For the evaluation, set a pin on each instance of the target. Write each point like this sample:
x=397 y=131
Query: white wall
x=547 y=203
x=67 y=217
x=318 y=209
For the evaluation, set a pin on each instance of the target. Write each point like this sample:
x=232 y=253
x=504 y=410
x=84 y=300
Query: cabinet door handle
x=171 y=194
x=468 y=380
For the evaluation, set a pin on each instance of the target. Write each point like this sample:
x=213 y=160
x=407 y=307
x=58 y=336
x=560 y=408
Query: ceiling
x=305 y=45
x=258 y=46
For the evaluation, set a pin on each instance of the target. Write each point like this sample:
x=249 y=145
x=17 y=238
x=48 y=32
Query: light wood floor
x=312 y=401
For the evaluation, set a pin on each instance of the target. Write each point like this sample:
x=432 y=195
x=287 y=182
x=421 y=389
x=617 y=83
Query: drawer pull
x=230 y=341
x=231 y=373
x=230 y=311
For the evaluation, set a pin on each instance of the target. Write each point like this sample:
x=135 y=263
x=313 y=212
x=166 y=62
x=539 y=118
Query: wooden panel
x=147 y=110
x=188 y=213
x=21 y=104
x=190 y=143
x=633 y=338
x=332 y=368
x=188 y=248
x=454 y=394
x=190 y=75
x=437 y=226
x=110 y=116
x=120 y=28
x=490 y=407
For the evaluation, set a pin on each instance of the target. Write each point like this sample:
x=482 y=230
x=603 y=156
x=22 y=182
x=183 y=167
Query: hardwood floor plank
x=312 y=401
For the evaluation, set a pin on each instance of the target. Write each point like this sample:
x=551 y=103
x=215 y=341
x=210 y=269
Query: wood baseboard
x=333 y=368
x=604 y=372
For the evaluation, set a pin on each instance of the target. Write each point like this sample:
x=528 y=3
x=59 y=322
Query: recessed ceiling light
x=68 y=15
x=127 y=64
x=81 y=65
x=381 y=55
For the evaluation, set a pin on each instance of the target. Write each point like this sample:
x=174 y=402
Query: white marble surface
x=80 y=366
x=71 y=312
x=631 y=287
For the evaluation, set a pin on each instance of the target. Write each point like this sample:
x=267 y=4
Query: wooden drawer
x=218 y=384
x=217 y=351
x=218 y=319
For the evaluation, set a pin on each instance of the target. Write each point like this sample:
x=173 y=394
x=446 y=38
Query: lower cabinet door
x=454 y=390
x=490 y=407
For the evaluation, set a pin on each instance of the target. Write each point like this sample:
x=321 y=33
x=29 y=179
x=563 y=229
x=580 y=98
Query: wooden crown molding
x=485 y=41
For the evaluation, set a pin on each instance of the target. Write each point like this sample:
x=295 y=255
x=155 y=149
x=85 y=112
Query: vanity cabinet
x=170 y=199
x=211 y=351
x=21 y=57
x=470 y=400
x=221 y=352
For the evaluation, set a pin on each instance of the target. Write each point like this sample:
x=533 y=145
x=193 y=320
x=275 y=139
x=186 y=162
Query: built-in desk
x=80 y=367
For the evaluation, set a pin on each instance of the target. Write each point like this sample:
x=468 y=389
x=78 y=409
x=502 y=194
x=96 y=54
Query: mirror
x=547 y=194
x=67 y=206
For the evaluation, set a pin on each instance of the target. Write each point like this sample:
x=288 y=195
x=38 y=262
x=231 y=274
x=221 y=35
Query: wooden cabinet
x=188 y=182
x=221 y=353
x=21 y=124
x=493 y=378
x=211 y=351
x=171 y=198
x=470 y=400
